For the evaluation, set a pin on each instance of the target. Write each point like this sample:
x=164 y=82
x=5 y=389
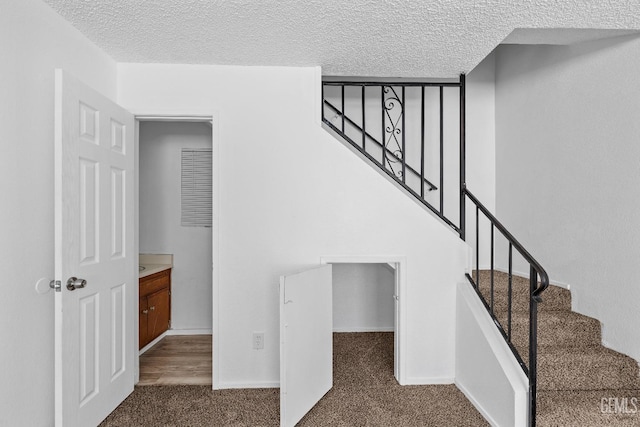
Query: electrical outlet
x=258 y=340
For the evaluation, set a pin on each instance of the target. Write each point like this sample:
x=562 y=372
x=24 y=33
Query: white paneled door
x=306 y=342
x=95 y=262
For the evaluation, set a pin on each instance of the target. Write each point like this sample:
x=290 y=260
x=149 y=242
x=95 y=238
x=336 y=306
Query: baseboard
x=189 y=332
x=174 y=332
x=428 y=380
x=234 y=385
x=365 y=329
x=152 y=343
x=476 y=404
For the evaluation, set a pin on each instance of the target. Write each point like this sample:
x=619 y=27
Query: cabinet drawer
x=155 y=282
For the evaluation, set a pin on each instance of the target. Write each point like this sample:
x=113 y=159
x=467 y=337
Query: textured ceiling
x=394 y=38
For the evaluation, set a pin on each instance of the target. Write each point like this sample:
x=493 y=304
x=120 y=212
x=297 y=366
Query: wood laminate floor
x=177 y=360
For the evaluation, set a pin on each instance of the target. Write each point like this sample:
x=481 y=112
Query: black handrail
x=378 y=143
x=544 y=278
x=391 y=83
x=535 y=289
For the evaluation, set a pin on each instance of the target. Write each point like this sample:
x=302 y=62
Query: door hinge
x=56 y=285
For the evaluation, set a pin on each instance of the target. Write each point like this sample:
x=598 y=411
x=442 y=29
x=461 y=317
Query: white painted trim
x=363 y=259
x=501 y=351
x=136 y=242
x=476 y=404
x=496 y=340
x=173 y=115
x=232 y=385
x=213 y=117
x=364 y=329
x=173 y=332
x=400 y=275
x=429 y=380
x=148 y=346
x=171 y=118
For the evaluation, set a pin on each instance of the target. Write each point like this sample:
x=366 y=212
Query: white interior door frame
x=400 y=282
x=211 y=117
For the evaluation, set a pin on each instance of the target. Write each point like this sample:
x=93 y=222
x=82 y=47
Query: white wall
x=363 y=297
x=161 y=144
x=568 y=171
x=288 y=194
x=34 y=40
x=486 y=371
x=480 y=156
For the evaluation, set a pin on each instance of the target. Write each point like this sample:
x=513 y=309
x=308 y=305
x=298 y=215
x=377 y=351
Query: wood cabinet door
x=143 y=336
x=158 y=316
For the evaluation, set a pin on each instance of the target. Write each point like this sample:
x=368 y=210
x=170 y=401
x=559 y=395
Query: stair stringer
x=486 y=370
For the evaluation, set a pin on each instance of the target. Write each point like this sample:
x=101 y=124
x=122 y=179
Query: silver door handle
x=74 y=283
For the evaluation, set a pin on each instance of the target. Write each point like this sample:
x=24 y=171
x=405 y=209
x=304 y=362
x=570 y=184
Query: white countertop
x=154 y=263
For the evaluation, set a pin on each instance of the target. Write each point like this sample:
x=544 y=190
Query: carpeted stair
x=580 y=382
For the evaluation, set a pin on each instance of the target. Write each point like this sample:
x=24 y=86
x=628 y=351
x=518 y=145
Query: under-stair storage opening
x=364 y=320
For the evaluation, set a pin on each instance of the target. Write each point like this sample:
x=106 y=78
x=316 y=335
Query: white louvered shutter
x=196 y=190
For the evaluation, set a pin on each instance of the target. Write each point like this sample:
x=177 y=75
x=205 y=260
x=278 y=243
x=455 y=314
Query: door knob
x=74 y=283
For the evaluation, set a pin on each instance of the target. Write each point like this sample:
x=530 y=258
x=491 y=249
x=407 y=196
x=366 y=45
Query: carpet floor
x=580 y=382
x=365 y=393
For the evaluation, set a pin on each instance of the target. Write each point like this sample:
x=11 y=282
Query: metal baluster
x=343 y=109
x=477 y=247
x=404 y=162
x=492 y=267
x=422 y=145
x=533 y=344
x=510 y=291
x=322 y=101
x=442 y=150
x=462 y=156
x=383 y=139
x=364 y=132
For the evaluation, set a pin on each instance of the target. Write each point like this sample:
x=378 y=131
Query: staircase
x=575 y=372
x=408 y=131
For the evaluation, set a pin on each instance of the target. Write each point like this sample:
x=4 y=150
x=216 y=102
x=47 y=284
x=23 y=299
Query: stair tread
x=585 y=368
x=579 y=408
x=555 y=328
x=553 y=298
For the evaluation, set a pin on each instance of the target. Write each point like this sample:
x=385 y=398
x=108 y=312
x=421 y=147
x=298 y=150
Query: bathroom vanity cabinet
x=154 y=306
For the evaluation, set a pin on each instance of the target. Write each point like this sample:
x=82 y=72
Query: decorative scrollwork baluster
x=392 y=140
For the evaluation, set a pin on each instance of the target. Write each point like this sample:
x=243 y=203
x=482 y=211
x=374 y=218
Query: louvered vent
x=196 y=187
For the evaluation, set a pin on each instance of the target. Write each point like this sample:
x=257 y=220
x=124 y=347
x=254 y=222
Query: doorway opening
x=368 y=317
x=174 y=160
x=363 y=323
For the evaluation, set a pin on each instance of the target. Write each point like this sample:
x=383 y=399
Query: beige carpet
x=580 y=382
x=364 y=394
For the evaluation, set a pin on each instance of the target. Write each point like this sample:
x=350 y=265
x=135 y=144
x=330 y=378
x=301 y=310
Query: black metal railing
x=372 y=117
x=538 y=282
x=385 y=138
